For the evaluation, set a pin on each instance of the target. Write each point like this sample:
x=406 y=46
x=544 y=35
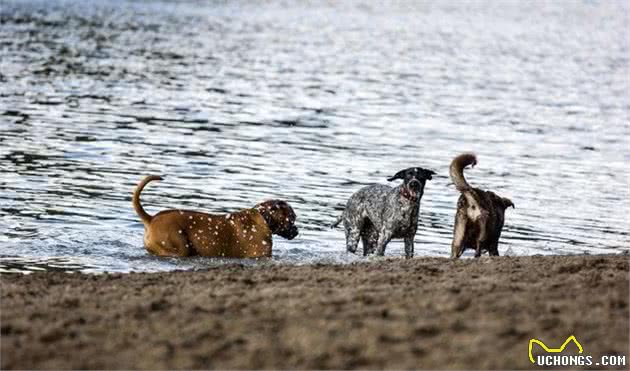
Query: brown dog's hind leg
x=459 y=232
x=493 y=249
x=181 y=245
x=481 y=242
x=478 y=247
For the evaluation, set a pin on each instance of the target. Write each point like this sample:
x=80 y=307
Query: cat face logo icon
x=553 y=350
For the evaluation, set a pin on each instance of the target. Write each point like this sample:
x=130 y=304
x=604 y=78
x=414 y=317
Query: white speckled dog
x=378 y=213
x=243 y=234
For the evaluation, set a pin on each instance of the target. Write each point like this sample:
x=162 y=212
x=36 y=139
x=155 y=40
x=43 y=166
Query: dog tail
x=135 y=200
x=457 y=170
x=336 y=223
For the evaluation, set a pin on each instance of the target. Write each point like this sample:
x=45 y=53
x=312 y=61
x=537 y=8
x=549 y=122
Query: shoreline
x=387 y=313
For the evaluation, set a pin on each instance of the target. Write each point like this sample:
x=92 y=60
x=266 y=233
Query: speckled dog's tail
x=135 y=200
x=339 y=219
x=457 y=170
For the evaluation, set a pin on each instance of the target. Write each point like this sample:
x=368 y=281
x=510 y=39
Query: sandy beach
x=237 y=102
x=387 y=313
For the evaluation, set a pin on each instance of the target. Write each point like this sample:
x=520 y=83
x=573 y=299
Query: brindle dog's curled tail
x=457 y=170
x=135 y=200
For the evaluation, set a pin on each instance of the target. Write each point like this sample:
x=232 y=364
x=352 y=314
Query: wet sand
x=386 y=313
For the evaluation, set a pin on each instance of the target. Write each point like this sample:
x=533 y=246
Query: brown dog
x=244 y=234
x=480 y=214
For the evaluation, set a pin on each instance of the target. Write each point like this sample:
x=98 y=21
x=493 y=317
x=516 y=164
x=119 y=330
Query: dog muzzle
x=408 y=193
x=289 y=234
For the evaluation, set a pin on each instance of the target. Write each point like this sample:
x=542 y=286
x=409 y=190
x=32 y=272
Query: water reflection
x=308 y=103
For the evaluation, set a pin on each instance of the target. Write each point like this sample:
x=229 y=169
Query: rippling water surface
x=238 y=102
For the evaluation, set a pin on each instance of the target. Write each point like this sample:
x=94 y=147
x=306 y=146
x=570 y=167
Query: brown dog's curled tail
x=457 y=170
x=146 y=218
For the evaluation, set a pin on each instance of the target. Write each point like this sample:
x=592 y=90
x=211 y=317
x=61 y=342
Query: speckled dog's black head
x=414 y=179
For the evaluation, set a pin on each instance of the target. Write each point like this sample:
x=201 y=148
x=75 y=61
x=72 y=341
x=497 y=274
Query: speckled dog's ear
x=427 y=174
x=398 y=175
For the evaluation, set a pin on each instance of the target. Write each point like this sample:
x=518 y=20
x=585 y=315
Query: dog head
x=280 y=218
x=414 y=179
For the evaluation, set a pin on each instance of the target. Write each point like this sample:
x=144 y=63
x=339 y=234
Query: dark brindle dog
x=243 y=234
x=378 y=213
x=480 y=214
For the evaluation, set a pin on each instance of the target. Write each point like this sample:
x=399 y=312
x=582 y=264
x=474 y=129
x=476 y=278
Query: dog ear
x=507 y=202
x=427 y=174
x=268 y=208
x=280 y=204
x=276 y=204
x=398 y=175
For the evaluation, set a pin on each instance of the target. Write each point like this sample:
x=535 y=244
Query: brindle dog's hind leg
x=369 y=238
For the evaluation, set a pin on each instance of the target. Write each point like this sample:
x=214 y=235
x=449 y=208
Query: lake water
x=307 y=101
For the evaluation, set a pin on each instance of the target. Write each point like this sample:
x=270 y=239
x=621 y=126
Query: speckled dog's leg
x=409 y=247
x=385 y=235
x=352 y=238
x=369 y=237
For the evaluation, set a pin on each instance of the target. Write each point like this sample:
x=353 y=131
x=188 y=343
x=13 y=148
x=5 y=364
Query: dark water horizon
x=237 y=102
